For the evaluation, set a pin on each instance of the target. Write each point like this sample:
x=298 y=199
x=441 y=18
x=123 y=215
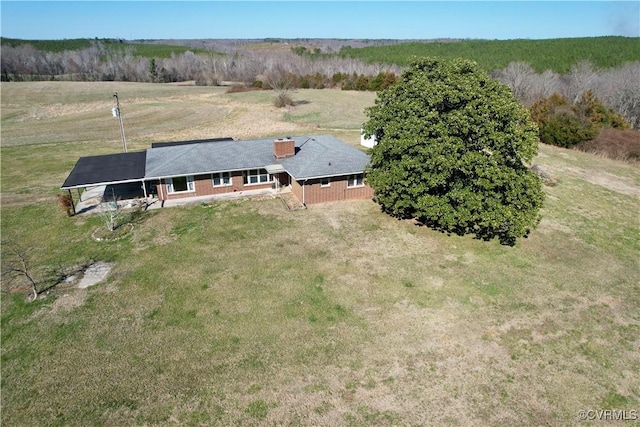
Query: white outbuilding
x=367 y=142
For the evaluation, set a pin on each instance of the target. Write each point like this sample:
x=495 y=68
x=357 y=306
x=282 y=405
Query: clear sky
x=325 y=19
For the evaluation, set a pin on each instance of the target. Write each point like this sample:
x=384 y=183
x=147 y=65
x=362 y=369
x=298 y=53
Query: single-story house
x=314 y=168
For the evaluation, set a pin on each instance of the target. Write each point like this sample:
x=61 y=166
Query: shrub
x=567 y=125
x=282 y=100
x=66 y=203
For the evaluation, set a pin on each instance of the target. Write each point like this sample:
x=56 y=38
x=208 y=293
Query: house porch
x=92 y=197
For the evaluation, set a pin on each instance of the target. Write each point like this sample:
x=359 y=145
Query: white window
x=222 y=179
x=325 y=182
x=355 y=180
x=256 y=176
x=180 y=184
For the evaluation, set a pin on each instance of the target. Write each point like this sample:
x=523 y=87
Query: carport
x=117 y=173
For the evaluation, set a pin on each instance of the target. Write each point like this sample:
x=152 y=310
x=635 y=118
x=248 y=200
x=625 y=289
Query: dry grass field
x=245 y=313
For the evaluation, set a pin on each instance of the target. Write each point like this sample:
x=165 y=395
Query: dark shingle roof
x=107 y=169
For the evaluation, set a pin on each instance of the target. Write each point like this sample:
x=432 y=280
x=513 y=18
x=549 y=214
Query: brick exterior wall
x=337 y=190
x=204 y=187
x=313 y=192
x=296 y=189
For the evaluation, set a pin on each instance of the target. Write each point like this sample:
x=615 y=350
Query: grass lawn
x=244 y=313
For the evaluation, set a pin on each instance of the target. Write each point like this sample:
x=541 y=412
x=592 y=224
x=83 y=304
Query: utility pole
x=116 y=113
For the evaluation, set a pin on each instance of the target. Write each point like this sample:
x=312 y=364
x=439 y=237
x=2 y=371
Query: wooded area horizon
x=557 y=54
x=533 y=69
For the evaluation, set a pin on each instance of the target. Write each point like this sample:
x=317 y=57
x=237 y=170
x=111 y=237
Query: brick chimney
x=284 y=147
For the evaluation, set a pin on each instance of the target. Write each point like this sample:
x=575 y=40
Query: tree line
x=101 y=63
x=558 y=55
x=618 y=88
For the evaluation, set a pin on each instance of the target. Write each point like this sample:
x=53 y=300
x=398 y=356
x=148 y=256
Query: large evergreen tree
x=452 y=151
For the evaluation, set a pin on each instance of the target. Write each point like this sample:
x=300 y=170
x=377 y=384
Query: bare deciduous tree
x=548 y=84
x=519 y=77
x=580 y=78
x=16 y=263
x=619 y=89
x=111 y=214
x=281 y=81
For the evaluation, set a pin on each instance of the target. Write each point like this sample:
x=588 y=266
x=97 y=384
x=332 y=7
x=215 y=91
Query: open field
x=244 y=313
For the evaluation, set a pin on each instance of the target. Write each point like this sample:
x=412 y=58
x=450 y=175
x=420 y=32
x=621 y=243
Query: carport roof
x=107 y=169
